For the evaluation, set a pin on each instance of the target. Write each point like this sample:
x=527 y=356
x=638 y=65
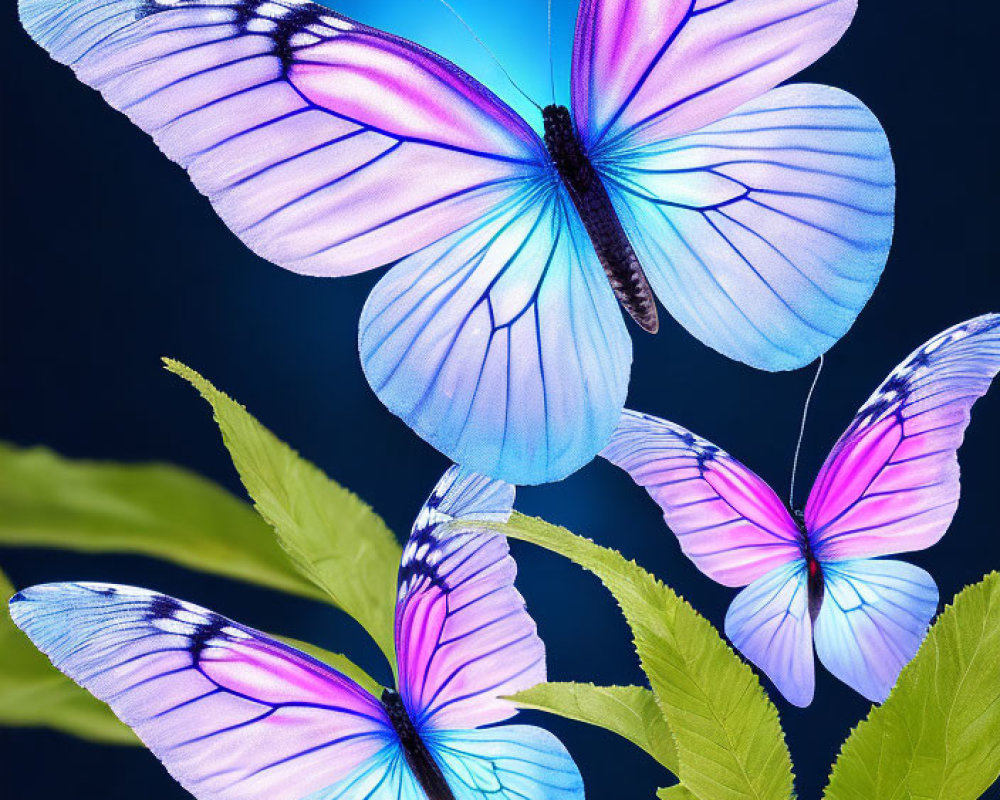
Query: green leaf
x=729 y=740
x=334 y=538
x=33 y=693
x=938 y=733
x=677 y=792
x=150 y=509
x=629 y=711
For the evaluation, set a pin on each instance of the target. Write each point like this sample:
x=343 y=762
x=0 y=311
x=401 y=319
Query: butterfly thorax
x=814 y=569
x=599 y=218
x=419 y=759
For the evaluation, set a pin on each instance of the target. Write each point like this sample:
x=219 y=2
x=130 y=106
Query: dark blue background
x=110 y=259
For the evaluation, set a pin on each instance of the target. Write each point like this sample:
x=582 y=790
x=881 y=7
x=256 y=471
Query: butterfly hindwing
x=765 y=233
x=503 y=345
x=727 y=519
x=329 y=147
x=233 y=714
x=874 y=616
x=511 y=762
x=769 y=622
x=891 y=483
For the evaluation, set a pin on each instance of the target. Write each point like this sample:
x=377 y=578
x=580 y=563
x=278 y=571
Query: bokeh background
x=110 y=259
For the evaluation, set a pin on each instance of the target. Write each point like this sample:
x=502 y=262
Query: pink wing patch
x=654 y=70
x=463 y=635
x=891 y=483
x=232 y=713
x=327 y=146
x=727 y=519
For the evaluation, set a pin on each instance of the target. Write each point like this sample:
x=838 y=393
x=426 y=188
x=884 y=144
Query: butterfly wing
x=329 y=147
x=874 y=616
x=651 y=71
x=769 y=623
x=727 y=519
x=463 y=635
x=763 y=232
x=511 y=762
x=233 y=714
x=503 y=345
x=891 y=483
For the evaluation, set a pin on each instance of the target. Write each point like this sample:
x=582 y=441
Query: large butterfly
x=890 y=485
x=760 y=219
x=236 y=715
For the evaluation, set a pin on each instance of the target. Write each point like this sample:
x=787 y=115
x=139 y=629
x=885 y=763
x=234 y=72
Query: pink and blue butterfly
x=234 y=714
x=760 y=217
x=890 y=485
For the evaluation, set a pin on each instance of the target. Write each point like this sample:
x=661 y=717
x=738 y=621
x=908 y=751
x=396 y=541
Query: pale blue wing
x=232 y=713
x=769 y=623
x=511 y=762
x=765 y=233
x=503 y=344
x=874 y=616
x=384 y=777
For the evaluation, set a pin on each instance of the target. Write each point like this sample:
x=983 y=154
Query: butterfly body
x=419 y=759
x=599 y=218
x=235 y=714
x=814 y=569
x=759 y=215
x=817 y=578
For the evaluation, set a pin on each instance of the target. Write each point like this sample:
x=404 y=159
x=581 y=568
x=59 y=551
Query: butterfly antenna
x=490 y=52
x=552 y=61
x=802 y=432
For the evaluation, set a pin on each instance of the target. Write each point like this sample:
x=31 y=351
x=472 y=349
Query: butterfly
x=760 y=218
x=237 y=715
x=890 y=485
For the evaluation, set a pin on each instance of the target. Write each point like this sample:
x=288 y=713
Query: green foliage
x=629 y=711
x=331 y=536
x=33 y=693
x=729 y=741
x=938 y=734
x=149 y=509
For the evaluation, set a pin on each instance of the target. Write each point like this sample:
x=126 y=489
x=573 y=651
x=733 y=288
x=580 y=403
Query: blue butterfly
x=760 y=217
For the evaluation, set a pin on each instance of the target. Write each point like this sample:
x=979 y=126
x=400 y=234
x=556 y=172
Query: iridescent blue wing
x=510 y=762
x=765 y=233
x=327 y=146
x=874 y=616
x=503 y=345
x=463 y=636
x=761 y=218
x=232 y=713
x=769 y=623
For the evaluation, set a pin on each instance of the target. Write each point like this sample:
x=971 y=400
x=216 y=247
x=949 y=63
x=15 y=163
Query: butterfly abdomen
x=418 y=758
x=599 y=218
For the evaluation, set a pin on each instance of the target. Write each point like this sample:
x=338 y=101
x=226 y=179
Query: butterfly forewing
x=651 y=71
x=463 y=635
x=233 y=714
x=284 y=116
x=726 y=518
x=891 y=483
